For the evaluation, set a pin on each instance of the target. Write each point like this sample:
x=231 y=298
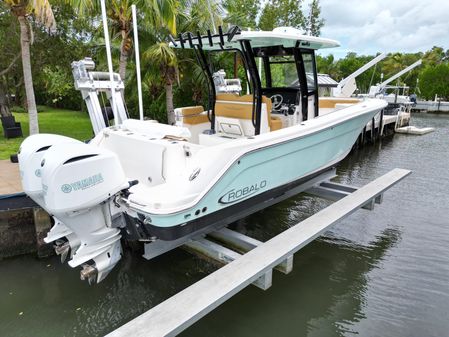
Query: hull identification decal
x=235 y=195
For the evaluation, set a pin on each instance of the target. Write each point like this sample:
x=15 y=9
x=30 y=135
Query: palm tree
x=159 y=18
x=41 y=10
x=162 y=61
x=156 y=14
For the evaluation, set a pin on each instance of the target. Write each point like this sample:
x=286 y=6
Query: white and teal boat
x=145 y=181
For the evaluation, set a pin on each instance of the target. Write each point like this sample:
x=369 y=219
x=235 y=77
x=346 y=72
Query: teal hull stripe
x=270 y=167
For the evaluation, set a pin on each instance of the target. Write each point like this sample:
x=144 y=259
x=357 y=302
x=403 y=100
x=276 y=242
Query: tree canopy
x=391 y=65
x=434 y=80
x=282 y=13
x=171 y=77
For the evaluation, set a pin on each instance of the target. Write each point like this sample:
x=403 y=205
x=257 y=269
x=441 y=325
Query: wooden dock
x=188 y=306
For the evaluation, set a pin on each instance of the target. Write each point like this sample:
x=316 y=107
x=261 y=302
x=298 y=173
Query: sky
x=371 y=26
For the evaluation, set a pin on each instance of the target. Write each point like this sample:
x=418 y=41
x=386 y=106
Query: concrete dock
x=188 y=306
x=431 y=106
x=9 y=178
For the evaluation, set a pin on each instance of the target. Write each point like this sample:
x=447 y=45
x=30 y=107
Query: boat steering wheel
x=277 y=101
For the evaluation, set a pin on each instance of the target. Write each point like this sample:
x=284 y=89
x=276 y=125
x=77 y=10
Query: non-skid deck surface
x=9 y=178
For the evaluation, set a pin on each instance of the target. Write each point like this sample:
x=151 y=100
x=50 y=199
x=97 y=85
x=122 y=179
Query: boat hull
x=258 y=176
x=236 y=211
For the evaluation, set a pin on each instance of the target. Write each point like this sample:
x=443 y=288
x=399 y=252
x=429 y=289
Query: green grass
x=69 y=123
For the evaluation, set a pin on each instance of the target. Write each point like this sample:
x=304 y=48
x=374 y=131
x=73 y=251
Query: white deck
x=185 y=308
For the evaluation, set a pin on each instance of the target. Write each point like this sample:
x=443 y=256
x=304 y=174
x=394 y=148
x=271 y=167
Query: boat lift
x=380 y=88
x=347 y=86
x=249 y=261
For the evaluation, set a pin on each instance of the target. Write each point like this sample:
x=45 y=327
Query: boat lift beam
x=347 y=86
x=224 y=255
x=402 y=72
x=180 y=311
x=334 y=191
x=244 y=243
x=228 y=245
x=379 y=88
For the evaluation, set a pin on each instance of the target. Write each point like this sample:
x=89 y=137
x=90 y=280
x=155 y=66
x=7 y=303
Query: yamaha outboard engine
x=80 y=183
x=30 y=157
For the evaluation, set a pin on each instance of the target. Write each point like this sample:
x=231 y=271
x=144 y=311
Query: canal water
x=378 y=273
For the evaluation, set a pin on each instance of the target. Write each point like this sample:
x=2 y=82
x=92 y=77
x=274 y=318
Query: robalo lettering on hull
x=235 y=195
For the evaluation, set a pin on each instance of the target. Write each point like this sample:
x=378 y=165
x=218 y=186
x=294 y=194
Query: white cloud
x=371 y=26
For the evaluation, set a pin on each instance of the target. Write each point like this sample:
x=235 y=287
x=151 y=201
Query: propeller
x=62 y=248
x=88 y=273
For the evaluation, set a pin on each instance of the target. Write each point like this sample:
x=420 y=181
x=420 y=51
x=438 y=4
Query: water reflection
x=327 y=285
x=48 y=298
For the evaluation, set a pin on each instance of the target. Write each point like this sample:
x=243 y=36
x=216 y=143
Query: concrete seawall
x=17 y=233
x=22 y=231
x=23 y=224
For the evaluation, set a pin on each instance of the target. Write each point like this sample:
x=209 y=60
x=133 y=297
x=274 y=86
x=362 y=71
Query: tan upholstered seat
x=325 y=102
x=192 y=115
x=243 y=111
x=276 y=123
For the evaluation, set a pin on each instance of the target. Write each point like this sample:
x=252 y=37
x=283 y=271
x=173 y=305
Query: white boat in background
x=146 y=181
x=398 y=105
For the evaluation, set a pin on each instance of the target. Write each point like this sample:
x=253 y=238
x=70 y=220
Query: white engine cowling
x=78 y=176
x=79 y=183
x=31 y=152
x=30 y=157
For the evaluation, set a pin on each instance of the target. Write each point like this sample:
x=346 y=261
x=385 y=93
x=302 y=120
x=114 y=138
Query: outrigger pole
x=109 y=57
x=136 y=51
x=211 y=16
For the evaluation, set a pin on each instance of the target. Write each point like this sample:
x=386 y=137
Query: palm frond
x=161 y=54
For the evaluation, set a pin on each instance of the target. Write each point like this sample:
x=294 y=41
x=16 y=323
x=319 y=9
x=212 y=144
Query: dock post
x=363 y=135
x=381 y=124
x=42 y=224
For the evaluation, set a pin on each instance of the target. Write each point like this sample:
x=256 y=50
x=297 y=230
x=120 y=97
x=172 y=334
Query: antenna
x=309 y=28
x=136 y=51
x=109 y=57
